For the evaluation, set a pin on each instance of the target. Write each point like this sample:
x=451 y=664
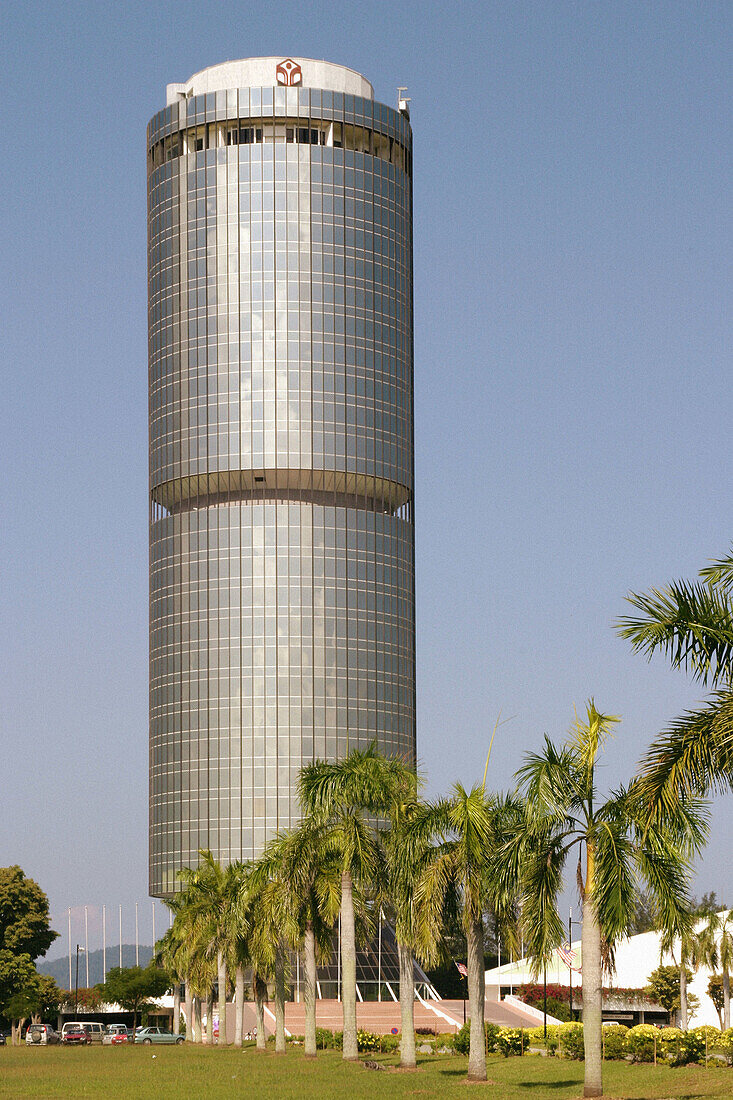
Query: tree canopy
x=133 y=987
x=24 y=917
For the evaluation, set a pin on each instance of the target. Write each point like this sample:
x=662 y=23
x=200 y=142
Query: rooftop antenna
x=403 y=101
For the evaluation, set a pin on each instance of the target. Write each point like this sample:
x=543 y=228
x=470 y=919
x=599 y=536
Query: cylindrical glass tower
x=282 y=617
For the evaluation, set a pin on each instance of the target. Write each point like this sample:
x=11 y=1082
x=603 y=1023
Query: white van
x=94 y=1030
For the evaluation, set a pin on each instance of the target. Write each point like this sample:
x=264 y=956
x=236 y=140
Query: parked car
x=75 y=1035
x=117 y=1033
x=148 y=1035
x=41 y=1035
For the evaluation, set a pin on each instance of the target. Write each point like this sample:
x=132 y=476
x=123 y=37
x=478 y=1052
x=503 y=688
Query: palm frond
x=548 y=782
x=588 y=737
x=719 y=573
x=691 y=623
x=613 y=892
x=694 y=756
x=544 y=859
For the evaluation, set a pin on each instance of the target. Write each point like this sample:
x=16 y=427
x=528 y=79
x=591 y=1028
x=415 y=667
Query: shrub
x=388 y=1044
x=640 y=1042
x=536 y=1035
x=366 y=1040
x=558 y=1009
x=725 y=1043
x=492 y=1037
x=462 y=1039
x=712 y=1033
x=570 y=1041
x=614 y=1042
x=684 y=1047
x=324 y=1038
x=511 y=1040
x=689 y=1047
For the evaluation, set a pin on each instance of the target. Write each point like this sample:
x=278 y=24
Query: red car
x=75 y=1033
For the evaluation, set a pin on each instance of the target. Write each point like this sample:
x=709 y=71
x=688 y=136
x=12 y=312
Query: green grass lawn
x=165 y=1073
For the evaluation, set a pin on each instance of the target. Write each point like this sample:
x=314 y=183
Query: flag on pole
x=568 y=956
x=462 y=969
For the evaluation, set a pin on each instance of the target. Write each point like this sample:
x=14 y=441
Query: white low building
x=636 y=958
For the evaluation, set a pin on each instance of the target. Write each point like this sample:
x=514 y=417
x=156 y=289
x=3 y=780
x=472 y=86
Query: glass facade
x=281 y=462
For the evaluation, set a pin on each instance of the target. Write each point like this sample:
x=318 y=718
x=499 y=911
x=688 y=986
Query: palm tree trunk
x=407 y=1008
x=592 y=984
x=476 y=995
x=260 y=991
x=221 y=967
x=239 y=1010
x=196 y=1019
x=188 y=1010
x=176 y=1008
x=683 y=997
x=280 y=1001
x=310 y=991
x=348 y=968
x=726 y=998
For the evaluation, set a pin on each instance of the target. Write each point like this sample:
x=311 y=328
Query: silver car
x=149 y=1035
x=40 y=1035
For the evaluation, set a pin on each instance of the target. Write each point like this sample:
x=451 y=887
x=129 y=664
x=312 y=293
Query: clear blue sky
x=572 y=376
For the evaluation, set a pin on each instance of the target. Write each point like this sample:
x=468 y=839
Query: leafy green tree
x=615 y=848
x=692 y=625
x=692 y=948
x=715 y=993
x=707 y=904
x=24 y=916
x=464 y=874
x=722 y=928
x=38 y=997
x=17 y=977
x=133 y=987
x=663 y=986
x=338 y=795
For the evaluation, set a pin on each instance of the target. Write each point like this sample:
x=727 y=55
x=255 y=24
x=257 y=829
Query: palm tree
x=462 y=872
x=692 y=624
x=336 y=795
x=212 y=897
x=267 y=947
x=722 y=927
x=307 y=897
x=171 y=954
x=409 y=846
x=696 y=948
x=615 y=847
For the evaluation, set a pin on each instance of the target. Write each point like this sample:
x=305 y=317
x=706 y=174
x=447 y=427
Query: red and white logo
x=289 y=73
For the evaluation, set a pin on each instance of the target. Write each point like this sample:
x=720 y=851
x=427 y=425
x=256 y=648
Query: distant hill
x=58 y=968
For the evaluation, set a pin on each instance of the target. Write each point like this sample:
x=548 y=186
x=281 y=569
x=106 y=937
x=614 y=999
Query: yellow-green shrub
x=640 y=1041
x=570 y=1041
x=614 y=1042
x=725 y=1043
